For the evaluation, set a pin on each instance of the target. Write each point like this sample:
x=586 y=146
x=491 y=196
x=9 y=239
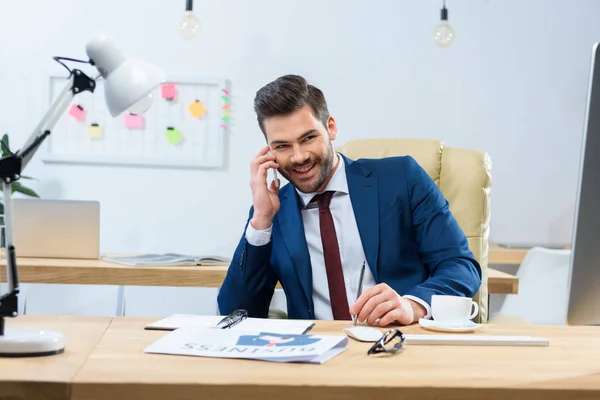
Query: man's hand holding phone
x=264 y=198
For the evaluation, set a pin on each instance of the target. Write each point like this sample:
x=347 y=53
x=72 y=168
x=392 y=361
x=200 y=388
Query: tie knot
x=324 y=199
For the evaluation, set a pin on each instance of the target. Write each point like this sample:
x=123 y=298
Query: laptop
x=56 y=228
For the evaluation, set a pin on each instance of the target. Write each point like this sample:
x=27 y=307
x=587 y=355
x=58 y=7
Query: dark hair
x=287 y=94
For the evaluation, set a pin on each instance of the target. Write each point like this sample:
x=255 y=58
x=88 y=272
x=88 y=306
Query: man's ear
x=332 y=128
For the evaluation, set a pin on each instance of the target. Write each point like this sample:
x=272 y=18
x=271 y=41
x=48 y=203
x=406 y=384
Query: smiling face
x=303 y=148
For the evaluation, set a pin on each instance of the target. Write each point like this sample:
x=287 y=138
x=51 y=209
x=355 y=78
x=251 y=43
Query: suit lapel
x=292 y=229
x=364 y=195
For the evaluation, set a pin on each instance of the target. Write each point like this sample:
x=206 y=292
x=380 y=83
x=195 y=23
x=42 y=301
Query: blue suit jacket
x=411 y=241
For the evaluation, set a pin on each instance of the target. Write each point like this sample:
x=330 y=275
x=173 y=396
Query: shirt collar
x=337 y=183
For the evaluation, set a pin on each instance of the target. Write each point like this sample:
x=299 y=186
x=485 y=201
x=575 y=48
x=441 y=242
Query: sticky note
x=225 y=91
x=134 y=121
x=168 y=91
x=225 y=106
x=173 y=135
x=94 y=131
x=197 y=109
x=77 y=112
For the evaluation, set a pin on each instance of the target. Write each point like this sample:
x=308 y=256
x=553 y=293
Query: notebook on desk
x=166 y=259
x=281 y=326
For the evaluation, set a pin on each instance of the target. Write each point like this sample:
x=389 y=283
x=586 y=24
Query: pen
x=359 y=292
x=308 y=328
x=233 y=319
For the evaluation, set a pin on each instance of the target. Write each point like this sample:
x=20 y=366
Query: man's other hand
x=383 y=306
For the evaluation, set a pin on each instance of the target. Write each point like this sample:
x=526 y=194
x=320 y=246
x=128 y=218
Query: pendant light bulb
x=190 y=25
x=444 y=33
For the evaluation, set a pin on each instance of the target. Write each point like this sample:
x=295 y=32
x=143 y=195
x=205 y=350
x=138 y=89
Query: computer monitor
x=584 y=274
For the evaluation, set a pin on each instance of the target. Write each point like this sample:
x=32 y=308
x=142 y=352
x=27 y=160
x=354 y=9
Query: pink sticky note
x=168 y=91
x=133 y=121
x=77 y=112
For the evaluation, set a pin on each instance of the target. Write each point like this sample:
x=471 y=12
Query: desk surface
x=498 y=255
x=100 y=272
x=48 y=378
x=117 y=368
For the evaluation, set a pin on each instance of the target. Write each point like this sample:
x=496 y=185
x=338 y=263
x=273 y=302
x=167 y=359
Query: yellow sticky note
x=197 y=109
x=94 y=131
x=173 y=135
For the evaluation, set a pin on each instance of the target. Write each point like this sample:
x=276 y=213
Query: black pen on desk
x=359 y=292
x=233 y=319
x=308 y=328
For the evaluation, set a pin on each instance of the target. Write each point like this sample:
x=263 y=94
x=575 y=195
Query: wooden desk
x=118 y=369
x=498 y=255
x=99 y=272
x=502 y=283
x=48 y=378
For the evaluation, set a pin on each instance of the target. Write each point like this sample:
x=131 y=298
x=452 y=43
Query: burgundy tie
x=333 y=262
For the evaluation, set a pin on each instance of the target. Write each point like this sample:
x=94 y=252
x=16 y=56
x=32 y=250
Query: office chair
x=464 y=178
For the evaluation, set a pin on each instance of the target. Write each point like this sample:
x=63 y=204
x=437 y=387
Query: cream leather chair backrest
x=464 y=178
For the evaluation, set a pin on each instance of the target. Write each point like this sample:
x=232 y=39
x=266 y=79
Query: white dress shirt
x=351 y=250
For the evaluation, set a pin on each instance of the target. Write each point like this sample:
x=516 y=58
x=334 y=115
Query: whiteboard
x=187 y=129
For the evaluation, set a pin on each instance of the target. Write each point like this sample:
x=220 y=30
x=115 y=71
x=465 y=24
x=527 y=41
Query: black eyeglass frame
x=386 y=338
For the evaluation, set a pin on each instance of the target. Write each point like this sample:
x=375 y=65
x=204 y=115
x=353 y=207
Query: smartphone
x=275 y=178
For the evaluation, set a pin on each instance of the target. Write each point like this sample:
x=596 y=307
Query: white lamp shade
x=126 y=80
x=132 y=81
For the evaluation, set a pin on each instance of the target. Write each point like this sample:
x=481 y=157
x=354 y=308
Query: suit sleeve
x=453 y=269
x=250 y=280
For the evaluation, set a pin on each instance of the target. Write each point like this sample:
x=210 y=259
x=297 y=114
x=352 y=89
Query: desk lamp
x=128 y=84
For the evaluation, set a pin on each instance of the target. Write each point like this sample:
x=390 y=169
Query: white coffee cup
x=453 y=309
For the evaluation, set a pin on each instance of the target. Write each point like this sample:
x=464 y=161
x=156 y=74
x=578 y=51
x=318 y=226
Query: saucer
x=432 y=325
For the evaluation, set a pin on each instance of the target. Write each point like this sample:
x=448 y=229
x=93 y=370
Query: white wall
x=514 y=84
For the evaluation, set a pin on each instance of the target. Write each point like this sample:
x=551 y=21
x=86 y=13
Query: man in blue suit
x=336 y=215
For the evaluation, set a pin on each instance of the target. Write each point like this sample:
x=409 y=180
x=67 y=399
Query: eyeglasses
x=390 y=342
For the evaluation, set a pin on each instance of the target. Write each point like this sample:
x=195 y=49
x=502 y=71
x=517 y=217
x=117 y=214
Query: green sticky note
x=173 y=135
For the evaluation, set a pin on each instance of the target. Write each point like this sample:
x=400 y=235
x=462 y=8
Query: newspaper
x=167 y=259
x=263 y=346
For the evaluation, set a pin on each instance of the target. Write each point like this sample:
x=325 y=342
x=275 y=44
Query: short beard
x=326 y=167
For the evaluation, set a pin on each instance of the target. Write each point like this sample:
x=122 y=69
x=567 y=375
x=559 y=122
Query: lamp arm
x=10 y=171
x=77 y=83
